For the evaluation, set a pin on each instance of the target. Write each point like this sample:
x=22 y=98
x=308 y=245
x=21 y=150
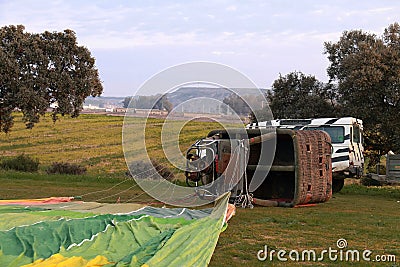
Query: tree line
x=158 y=101
x=40 y=69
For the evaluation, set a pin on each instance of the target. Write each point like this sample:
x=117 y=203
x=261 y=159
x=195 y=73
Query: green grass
x=77 y=140
x=367 y=217
x=17 y=185
x=91 y=140
x=366 y=222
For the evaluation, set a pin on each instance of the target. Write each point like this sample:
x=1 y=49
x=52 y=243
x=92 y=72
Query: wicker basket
x=301 y=172
x=298 y=173
x=314 y=167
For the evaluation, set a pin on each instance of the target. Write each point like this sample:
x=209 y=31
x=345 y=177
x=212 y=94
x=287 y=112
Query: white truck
x=347 y=142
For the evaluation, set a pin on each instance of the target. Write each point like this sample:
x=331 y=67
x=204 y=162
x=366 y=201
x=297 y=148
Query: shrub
x=145 y=170
x=65 y=168
x=369 y=181
x=20 y=163
x=372 y=169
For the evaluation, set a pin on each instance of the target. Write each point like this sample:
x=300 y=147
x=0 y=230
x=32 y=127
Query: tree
x=157 y=101
x=297 y=95
x=126 y=101
x=37 y=70
x=237 y=104
x=366 y=71
x=162 y=103
x=168 y=105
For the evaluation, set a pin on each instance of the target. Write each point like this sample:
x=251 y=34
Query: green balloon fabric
x=36 y=236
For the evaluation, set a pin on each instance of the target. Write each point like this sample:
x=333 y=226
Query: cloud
x=260 y=36
x=129 y=24
x=220 y=53
x=231 y=8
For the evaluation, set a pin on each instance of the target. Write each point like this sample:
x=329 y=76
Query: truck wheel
x=337 y=185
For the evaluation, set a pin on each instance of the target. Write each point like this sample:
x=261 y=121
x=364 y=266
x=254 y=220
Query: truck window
x=356 y=134
x=335 y=132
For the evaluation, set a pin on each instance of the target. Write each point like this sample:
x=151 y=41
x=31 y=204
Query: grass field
x=368 y=218
x=90 y=140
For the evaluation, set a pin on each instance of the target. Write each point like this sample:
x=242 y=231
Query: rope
x=244 y=199
x=150 y=188
x=125 y=180
x=235 y=180
x=202 y=192
x=122 y=191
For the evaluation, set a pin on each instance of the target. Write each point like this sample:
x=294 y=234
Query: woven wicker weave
x=313 y=167
x=310 y=181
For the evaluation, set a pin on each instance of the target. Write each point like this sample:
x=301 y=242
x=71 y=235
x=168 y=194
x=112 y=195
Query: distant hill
x=184 y=94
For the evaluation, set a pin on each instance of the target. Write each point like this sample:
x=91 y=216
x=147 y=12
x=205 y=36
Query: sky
x=134 y=40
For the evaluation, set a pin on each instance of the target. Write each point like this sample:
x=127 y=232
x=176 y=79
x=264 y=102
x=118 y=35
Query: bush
x=369 y=181
x=20 y=163
x=66 y=168
x=372 y=169
x=145 y=170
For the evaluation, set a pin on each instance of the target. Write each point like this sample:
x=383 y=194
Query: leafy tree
x=37 y=70
x=157 y=101
x=162 y=102
x=126 y=101
x=167 y=105
x=366 y=71
x=145 y=102
x=297 y=95
x=237 y=104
